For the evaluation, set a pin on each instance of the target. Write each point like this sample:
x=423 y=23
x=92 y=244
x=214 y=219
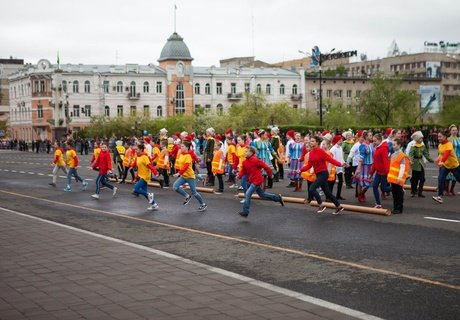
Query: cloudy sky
x=135 y=31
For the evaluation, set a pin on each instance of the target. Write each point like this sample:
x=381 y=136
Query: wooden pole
x=157 y=185
x=425 y=188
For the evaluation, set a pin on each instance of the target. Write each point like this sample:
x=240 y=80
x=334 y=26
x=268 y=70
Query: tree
x=339 y=117
x=450 y=112
x=387 y=104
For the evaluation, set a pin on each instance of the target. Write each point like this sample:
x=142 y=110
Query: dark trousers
x=220 y=179
x=211 y=179
x=125 y=173
x=349 y=175
x=321 y=181
x=417 y=181
x=165 y=174
x=398 y=197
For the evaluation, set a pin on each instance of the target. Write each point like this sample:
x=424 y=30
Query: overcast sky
x=135 y=31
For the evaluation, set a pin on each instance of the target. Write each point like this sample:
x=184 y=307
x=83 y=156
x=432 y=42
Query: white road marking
x=31 y=172
x=22 y=172
x=441 y=219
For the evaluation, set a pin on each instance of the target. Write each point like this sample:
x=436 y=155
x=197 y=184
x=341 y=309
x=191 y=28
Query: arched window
x=294 y=89
x=132 y=88
x=146 y=87
x=75 y=86
x=268 y=89
x=159 y=111
x=207 y=88
x=87 y=86
x=220 y=109
x=258 y=88
x=282 y=89
x=197 y=88
x=64 y=86
x=107 y=111
x=180 y=105
x=120 y=87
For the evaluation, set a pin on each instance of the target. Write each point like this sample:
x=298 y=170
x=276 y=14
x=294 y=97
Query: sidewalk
x=50 y=271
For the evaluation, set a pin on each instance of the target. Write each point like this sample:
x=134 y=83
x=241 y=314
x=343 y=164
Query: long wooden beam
x=157 y=185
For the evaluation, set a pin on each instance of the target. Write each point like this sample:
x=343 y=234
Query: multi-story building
x=48 y=99
x=7 y=67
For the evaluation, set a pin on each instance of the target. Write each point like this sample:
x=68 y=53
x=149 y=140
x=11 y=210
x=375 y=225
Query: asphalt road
x=394 y=267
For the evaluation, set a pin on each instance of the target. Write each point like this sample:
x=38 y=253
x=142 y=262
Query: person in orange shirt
x=144 y=169
x=58 y=162
x=96 y=151
x=72 y=164
x=218 y=164
x=163 y=162
x=129 y=162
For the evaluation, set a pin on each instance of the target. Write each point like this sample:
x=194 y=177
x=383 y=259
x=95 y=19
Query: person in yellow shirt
x=58 y=162
x=144 y=169
x=163 y=162
x=187 y=175
x=72 y=164
x=447 y=162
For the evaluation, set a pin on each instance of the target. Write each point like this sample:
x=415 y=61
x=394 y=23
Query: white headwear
x=210 y=130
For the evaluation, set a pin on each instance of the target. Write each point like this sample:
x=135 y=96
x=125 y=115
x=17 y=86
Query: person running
x=144 y=169
x=187 y=175
x=318 y=159
x=455 y=140
x=58 y=162
x=129 y=162
x=163 y=162
x=397 y=175
x=104 y=165
x=447 y=162
x=72 y=164
x=96 y=151
x=252 y=168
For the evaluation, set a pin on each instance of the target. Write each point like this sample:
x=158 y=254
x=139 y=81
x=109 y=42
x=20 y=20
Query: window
x=87 y=86
x=76 y=111
x=159 y=87
x=220 y=109
x=64 y=86
x=349 y=94
x=207 y=107
x=258 y=88
x=132 y=89
x=358 y=93
x=132 y=111
x=87 y=111
x=42 y=86
x=197 y=88
x=119 y=111
x=146 y=87
x=207 y=89
x=159 y=111
x=197 y=107
x=66 y=111
x=36 y=87
x=282 y=89
x=105 y=86
x=294 y=89
x=119 y=87
x=247 y=87
x=233 y=88
x=40 y=112
x=107 y=111
x=268 y=89
x=219 y=88
x=180 y=106
x=75 y=86
x=329 y=93
x=146 y=111
x=338 y=93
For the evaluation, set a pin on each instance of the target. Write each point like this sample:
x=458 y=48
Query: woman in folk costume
x=366 y=159
x=294 y=154
x=266 y=153
x=276 y=143
x=455 y=140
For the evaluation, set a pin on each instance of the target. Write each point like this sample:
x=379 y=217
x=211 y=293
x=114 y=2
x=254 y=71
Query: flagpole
x=175 y=9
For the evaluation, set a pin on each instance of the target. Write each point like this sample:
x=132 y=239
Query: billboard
x=433 y=69
x=430 y=98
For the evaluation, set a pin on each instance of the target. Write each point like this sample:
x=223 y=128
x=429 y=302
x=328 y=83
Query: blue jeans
x=443 y=172
x=384 y=187
x=192 y=184
x=263 y=195
x=141 y=188
x=244 y=183
x=321 y=181
x=101 y=179
x=73 y=172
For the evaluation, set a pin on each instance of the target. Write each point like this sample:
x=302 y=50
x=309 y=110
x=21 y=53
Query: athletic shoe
x=67 y=189
x=242 y=201
x=281 y=200
x=338 y=210
x=151 y=197
x=114 y=191
x=321 y=209
x=85 y=185
x=438 y=199
x=95 y=196
x=233 y=186
x=187 y=200
x=52 y=184
x=244 y=215
x=378 y=206
x=153 y=207
x=202 y=208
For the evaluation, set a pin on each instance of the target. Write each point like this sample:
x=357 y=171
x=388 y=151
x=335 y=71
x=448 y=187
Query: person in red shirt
x=252 y=168
x=318 y=159
x=381 y=167
x=103 y=164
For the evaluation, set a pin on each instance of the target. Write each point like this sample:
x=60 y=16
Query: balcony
x=296 y=97
x=134 y=96
x=234 y=96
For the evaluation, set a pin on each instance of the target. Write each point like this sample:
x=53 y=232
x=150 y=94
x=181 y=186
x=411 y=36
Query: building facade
x=7 y=67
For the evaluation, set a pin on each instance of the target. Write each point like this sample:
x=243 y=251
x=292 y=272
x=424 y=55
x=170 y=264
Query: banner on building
x=430 y=98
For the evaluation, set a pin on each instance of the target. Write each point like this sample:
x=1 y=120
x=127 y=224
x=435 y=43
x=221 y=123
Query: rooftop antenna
x=253 y=50
x=175 y=9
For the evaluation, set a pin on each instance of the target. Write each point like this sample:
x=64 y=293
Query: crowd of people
x=252 y=162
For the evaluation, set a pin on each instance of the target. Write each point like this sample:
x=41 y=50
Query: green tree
x=387 y=104
x=340 y=117
x=450 y=112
